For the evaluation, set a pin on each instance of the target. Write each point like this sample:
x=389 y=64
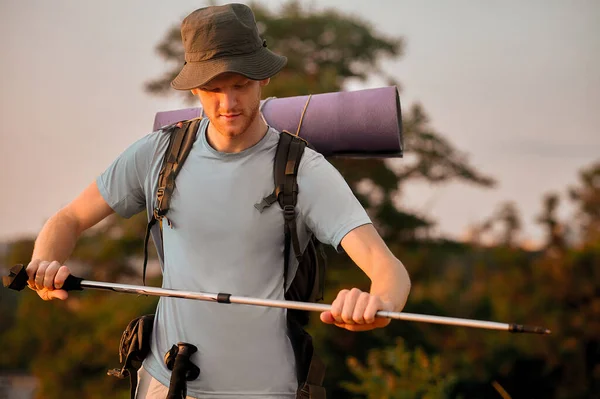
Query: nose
x=228 y=101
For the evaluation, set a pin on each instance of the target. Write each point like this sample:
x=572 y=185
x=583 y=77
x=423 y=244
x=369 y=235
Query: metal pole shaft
x=313 y=307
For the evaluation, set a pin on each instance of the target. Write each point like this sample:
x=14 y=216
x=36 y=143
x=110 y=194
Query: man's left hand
x=355 y=310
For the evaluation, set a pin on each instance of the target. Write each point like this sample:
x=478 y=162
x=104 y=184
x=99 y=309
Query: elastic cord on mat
x=302 y=116
x=262 y=105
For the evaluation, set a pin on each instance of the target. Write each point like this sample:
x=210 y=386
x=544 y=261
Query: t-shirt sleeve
x=326 y=203
x=122 y=183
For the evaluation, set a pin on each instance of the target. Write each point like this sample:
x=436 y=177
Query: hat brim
x=261 y=64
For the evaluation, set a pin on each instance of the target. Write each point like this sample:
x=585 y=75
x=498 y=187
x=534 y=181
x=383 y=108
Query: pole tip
x=519 y=328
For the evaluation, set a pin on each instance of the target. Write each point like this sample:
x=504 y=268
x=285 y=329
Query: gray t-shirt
x=219 y=242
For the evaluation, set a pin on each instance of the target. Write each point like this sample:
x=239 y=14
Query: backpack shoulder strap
x=285 y=170
x=286 y=177
x=181 y=139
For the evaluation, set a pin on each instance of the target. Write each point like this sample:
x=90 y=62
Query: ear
x=264 y=82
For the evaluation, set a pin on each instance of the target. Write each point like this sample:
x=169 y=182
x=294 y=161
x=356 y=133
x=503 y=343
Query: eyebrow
x=212 y=87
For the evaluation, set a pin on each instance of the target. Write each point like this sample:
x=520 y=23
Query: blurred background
x=494 y=210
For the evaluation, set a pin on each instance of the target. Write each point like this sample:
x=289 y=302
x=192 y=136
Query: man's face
x=231 y=102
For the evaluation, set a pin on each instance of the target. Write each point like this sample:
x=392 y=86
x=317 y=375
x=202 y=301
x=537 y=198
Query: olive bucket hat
x=222 y=39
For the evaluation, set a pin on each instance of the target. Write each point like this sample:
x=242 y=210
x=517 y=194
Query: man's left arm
x=354 y=309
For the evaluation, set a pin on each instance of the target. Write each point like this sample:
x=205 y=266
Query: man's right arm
x=57 y=239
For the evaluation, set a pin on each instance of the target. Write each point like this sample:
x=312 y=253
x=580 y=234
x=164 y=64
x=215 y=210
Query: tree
x=325 y=50
x=507 y=223
x=587 y=199
x=555 y=231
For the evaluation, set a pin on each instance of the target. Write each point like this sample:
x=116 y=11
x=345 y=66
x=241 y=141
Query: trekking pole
x=178 y=360
x=17 y=280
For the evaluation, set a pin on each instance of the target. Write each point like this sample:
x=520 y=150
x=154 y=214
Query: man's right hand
x=47 y=279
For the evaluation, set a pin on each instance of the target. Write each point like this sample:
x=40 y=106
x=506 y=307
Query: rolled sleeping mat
x=363 y=123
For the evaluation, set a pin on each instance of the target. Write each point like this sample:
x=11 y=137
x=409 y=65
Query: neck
x=240 y=142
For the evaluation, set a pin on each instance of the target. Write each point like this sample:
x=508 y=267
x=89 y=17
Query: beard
x=238 y=125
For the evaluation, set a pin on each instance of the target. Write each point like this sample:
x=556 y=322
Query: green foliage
x=556 y=289
x=70 y=345
x=397 y=373
x=114 y=248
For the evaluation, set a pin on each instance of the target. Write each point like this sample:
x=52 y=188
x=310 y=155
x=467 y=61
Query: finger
x=44 y=293
x=359 y=309
x=337 y=306
x=373 y=306
x=48 y=295
x=356 y=327
x=359 y=327
x=51 y=271
x=327 y=318
x=376 y=304
x=31 y=269
x=349 y=305
x=58 y=294
x=39 y=275
x=61 y=276
x=381 y=322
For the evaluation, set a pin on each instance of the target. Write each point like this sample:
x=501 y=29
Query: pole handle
x=17 y=280
x=178 y=360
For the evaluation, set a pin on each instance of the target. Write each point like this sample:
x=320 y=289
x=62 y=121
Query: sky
x=515 y=85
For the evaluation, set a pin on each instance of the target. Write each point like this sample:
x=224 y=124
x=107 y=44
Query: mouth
x=230 y=117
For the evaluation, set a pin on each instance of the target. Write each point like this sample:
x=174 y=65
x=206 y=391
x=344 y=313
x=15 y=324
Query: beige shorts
x=149 y=388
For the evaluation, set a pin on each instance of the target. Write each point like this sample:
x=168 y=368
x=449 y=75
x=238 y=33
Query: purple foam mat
x=363 y=123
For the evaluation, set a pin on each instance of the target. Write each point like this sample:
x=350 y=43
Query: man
x=216 y=240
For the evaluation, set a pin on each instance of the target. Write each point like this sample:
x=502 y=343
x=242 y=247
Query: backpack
x=133 y=349
x=308 y=283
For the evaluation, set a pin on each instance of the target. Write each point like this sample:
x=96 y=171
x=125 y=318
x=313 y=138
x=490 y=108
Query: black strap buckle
x=289 y=212
x=266 y=202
